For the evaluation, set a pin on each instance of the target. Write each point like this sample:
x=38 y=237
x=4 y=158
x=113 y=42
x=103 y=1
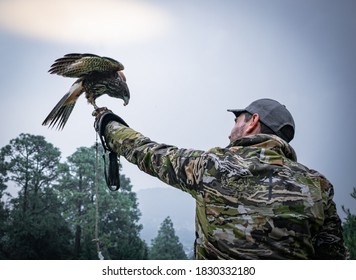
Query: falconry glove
x=102 y=117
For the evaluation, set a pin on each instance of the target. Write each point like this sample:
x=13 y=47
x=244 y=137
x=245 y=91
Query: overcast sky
x=186 y=63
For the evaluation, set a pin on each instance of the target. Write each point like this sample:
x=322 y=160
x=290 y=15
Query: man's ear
x=253 y=126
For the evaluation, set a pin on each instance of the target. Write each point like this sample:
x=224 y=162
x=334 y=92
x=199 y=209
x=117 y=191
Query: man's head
x=263 y=116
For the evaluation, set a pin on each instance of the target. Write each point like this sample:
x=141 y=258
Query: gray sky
x=186 y=63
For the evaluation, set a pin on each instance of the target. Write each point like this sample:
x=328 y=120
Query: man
x=253 y=199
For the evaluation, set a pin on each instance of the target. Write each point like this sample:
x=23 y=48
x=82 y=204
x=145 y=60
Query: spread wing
x=76 y=65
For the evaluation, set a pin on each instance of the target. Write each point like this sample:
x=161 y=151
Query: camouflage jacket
x=253 y=200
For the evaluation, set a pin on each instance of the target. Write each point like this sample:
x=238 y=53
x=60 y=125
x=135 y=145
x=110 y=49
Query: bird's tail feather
x=61 y=112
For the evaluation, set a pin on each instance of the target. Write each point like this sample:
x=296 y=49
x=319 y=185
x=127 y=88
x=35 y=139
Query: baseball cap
x=272 y=114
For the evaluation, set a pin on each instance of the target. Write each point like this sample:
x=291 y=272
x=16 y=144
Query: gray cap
x=272 y=114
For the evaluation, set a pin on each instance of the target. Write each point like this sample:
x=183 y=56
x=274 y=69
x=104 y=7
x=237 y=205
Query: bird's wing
x=76 y=65
x=61 y=112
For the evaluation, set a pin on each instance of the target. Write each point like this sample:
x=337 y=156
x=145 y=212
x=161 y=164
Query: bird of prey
x=96 y=76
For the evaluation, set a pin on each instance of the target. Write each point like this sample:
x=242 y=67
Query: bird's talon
x=99 y=111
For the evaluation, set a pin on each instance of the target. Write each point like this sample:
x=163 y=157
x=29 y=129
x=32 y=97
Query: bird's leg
x=98 y=108
x=91 y=100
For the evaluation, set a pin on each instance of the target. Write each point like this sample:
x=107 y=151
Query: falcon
x=97 y=75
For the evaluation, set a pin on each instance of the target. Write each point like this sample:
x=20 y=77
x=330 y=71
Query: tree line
x=63 y=210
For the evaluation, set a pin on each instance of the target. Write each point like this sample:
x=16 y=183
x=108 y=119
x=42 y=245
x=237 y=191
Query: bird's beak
x=126 y=101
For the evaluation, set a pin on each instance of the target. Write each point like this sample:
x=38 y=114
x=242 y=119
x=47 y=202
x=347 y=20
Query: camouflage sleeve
x=329 y=243
x=180 y=168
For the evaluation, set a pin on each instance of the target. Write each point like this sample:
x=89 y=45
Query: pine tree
x=4 y=212
x=349 y=230
x=54 y=214
x=35 y=228
x=166 y=245
x=77 y=191
x=118 y=211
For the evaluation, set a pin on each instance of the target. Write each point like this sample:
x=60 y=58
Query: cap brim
x=237 y=112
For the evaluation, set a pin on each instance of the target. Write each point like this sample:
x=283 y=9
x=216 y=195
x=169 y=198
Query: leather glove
x=102 y=117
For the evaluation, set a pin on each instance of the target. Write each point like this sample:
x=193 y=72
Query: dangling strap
x=112 y=175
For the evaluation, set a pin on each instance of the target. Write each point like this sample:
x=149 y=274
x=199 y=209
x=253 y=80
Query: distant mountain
x=158 y=203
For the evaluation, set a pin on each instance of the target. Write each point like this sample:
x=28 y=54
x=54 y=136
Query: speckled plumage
x=96 y=76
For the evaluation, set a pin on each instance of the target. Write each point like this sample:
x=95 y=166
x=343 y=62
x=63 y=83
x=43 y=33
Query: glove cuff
x=102 y=121
x=105 y=118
